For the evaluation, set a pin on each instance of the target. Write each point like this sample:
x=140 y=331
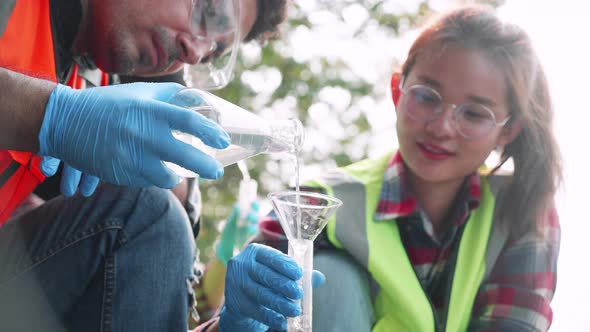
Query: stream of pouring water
x=297 y=190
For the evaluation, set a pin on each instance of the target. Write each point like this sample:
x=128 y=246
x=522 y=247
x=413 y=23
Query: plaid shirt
x=517 y=294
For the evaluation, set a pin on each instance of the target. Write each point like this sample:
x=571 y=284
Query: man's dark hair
x=271 y=13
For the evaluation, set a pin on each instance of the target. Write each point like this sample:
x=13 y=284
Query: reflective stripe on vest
x=400 y=303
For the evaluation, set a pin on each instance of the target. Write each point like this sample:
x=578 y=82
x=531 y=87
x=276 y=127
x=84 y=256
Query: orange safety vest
x=26 y=46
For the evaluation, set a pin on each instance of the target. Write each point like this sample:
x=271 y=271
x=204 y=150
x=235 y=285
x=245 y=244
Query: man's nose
x=192 y=50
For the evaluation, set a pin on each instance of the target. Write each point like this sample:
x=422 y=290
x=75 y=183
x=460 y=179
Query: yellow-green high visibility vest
x=400 y=303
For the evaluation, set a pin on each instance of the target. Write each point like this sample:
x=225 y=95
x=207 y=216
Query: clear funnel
x=303 y=215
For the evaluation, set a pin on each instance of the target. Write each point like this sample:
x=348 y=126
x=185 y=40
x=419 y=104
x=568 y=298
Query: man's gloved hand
x=122 y=133
x=260 y=286
x=72 y=179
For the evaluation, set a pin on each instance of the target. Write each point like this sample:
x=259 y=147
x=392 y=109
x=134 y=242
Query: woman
x=428 y=239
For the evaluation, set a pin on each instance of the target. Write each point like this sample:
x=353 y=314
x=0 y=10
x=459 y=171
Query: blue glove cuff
x=49 y=119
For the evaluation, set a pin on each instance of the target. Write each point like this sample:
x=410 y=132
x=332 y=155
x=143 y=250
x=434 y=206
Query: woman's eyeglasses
x=471 y=120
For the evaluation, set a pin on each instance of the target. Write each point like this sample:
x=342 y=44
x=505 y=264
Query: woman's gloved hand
x=71 y=180
x=122 y=133
x=235 y=235
x=260 y=289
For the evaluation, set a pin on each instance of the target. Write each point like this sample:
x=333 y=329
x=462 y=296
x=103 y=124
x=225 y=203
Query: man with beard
x=117 y=257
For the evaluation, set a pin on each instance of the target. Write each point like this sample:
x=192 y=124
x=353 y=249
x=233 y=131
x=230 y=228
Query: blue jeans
x=120 y=260
x=344 y=302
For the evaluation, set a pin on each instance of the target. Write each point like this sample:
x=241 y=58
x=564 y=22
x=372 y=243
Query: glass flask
x=250 y=134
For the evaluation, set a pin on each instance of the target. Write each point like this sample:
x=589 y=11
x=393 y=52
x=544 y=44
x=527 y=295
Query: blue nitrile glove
x=122 y=133
x=234 y=235
x=71 y=180
x=260 y=286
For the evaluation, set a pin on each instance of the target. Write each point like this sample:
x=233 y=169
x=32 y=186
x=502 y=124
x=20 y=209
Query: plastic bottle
x=250 y=133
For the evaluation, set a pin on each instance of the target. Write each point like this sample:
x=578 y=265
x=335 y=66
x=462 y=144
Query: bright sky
x=559 y=30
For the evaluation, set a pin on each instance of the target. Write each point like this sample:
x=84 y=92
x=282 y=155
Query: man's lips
x=160 y=57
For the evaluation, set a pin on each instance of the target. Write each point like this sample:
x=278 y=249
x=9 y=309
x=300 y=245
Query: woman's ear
x=395 y=91
x=509 y=132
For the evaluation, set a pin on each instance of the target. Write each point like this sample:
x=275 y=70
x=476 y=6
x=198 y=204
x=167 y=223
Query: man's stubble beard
x=122 y=62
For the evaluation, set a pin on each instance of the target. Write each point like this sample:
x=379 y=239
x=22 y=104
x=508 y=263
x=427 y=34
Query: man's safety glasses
x=215 y=25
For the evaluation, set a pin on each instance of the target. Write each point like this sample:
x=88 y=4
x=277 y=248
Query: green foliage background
x=304 y=86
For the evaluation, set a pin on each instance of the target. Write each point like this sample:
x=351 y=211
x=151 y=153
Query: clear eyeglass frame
x=483 y=127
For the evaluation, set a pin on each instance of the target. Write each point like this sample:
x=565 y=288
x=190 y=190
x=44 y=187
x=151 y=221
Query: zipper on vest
x=437 y=327
x=437 y=323
x=449 y=285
